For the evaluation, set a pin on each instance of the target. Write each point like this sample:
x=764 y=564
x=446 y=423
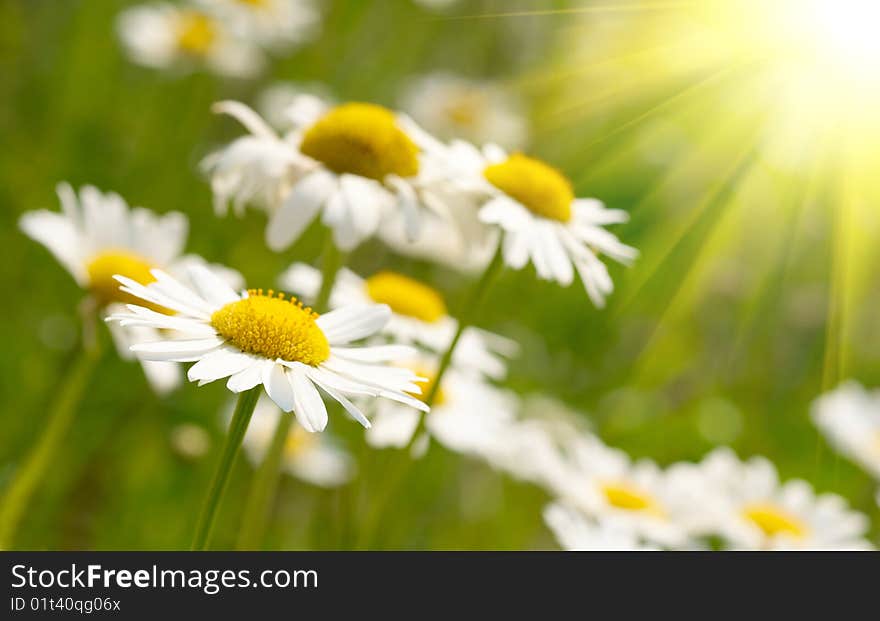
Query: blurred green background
x=723 y=332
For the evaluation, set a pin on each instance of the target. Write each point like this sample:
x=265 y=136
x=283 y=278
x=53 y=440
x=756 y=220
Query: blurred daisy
x=352 y=163
x=273 y=24
x=755 y=511
x=469 y=416
x=534 y=205
x=419 y=315
x=279 y=103
x=315 y=459
x=450 y=106
x=254 y=338
x=96 y=236
x=574 y=532
x=190 y=441
x=849 y=416
x=605 y=484
x=164 y=36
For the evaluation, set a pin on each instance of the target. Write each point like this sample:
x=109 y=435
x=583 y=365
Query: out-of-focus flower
x=419 y=315
x=355 y=164
x=534 y=205
x=254 y=338
x=753 y=510
x=605 y=484
x=96 y=236
x=279 y=103
x=451 y=106
x=849 y=416
x=164 y=36
x=272 y=24
x=575 y=532
x=468 y=416
x=315 y=459
x=190 y=441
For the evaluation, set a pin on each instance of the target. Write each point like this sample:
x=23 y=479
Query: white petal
x=309 y=407
x=247 y=378
x=252 y=121
x=298 y=210
x=177 y=351
x=353 y=322
x=376 y=353
x=163 y=377
x=277 y=385
x=218 y=364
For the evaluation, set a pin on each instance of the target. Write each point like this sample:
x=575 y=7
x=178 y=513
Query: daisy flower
x=605 y=484
x=352 y=163
x=255 y=338
x=164 y=36
x=309 y=457
x=574 y=532
x=419 y=315
x=534 y=205
x=451 y=106
x=468 y=416
x=279 y=103
x=97 y=235
x=755 y=511
x=849 y=416
x=273 y=24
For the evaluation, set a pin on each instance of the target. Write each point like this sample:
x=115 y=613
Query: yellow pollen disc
x=774 y=521
x=196 y=33
x=109 y=263
x=427 y=387
x=406 y=296
x=299 y=441
x=361 y=139
x=624 y=496
x=272 y=327
x=539 y=187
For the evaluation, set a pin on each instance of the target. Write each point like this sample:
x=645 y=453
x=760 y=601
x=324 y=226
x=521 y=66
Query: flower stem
x=332 y=259
x=36 y=464
x=263 y=488
x=244 y=409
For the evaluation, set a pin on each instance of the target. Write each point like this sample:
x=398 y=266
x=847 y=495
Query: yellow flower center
x=272 y=327
x=774 y=521
x=427 y=387
x=299 y=441
x=104 y=266
x=361 y=139
x=196 y=33
x=466 y=108
x=406 y=296
x=628 y=497
x=539 y=187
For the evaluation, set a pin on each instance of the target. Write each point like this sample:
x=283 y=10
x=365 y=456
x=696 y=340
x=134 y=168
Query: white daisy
x=754 y=510
x=313 y=458
x=97 y=235
x=468 y=416
x=254 y=338
x=353 y=163
x=451 y=106
x=164 y=36
x=849 y=416
x=280 y=103
x=534 y=205
x=419 y=315
x=273 y=24
x=605 y=484
x=575 y=532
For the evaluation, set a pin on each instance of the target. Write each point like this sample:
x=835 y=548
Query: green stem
x=332 y=259
x=263 y=488
x=37 y=462
x=465 y=320
x=244 y=409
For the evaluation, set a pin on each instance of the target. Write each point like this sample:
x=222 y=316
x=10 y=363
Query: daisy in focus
x=574 y=532
x=451 y=106
x=354 y=164
x=849 y=416
x=541 y=219
x=755 y=511
x=419 y=315
x=96 y=236
x=468 y=416
x=312 y=458
x=273 y=24
x=255 y=338
x=164 y=36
